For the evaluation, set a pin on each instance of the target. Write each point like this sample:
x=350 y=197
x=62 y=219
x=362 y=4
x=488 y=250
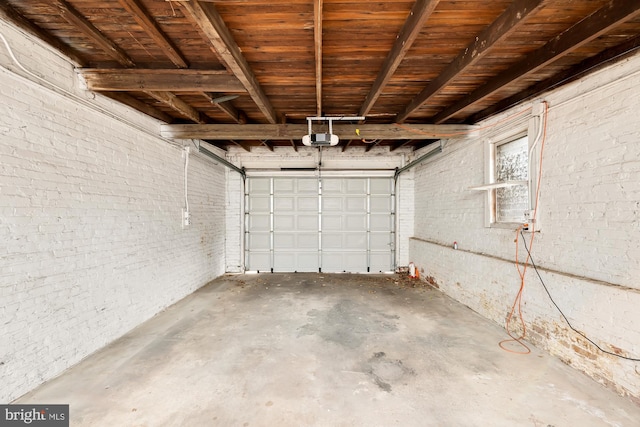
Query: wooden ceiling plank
x=179 y=105
x=419 y=14
x=612 y=14
x=501 y=28
x=211 y=23
x=74 y=17
x=8 y=13
x=151 y=27
x=564 y=77
x=160 y=80
x=140 y=106
x=296 y=131
x=317 y=37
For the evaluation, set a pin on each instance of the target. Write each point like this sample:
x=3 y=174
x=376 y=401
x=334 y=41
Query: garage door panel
x=307 y=186
x=283 y=185
x=356 y=204
x=259 y=204
x=259 y=186
x=356 y=186
x=283 y=222
x=380 y=262
x=259 y=222
x=355 y=241
x=344 y=262
x=332 y=204
x=307 y=223
x=356 y=222
x=331 y=241
x=380 y=186
x=307 y=204
x=260 y=241
x=283 y=241
x=381 y=204
x=380 y=241
x=283 y=204
x=331 y=222
x=259 y=261
x=381 y=222
x=307 y=241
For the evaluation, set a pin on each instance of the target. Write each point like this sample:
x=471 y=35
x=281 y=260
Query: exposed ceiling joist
x=612 y=14
x=8 y=13
x=179 y=105
x=140 y=106
x=150 y=26
x=161 y=80
x=227 y=108
x=571 y=74
x=74 y=17
x=88 y=29
x=412 y=26
x=296 y=131
x=501 y=28
x=213 y=26
x=317 y=38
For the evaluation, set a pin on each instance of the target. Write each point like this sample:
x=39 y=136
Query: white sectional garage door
x=311 y=224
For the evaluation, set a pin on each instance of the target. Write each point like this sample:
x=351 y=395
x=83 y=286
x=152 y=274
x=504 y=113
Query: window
x=511 y=161
x=512 y=153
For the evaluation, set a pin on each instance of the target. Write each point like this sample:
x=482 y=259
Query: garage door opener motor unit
x=312 y=139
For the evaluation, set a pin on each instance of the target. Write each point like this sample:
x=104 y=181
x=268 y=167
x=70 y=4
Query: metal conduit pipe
x=225 y=162
x=417 y=161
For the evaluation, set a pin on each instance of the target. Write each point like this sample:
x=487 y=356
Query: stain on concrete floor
x=325 y=350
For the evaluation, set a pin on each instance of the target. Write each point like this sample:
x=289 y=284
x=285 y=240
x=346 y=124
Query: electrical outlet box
x=186 y=218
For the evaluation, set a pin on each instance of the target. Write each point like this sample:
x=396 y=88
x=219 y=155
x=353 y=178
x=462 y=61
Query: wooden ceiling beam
x=226 y=107
x=151 y=27
x=74 y=17
x=501 y=28
x=242 y=145
x=419 y=14
x=222 y=43
x=401 y=144
x=317 y=38
x=8 y=13
x=296 y=131
x=179 y=105
x=161 y=80
x=140 y=106
x=609 y=16
x=573 y=73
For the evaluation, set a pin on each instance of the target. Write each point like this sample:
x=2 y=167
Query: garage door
x=311 y=224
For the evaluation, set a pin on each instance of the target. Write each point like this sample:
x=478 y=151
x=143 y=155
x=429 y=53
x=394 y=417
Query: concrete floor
x=325 y=350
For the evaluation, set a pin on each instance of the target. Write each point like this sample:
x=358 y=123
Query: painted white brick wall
x=90 y=220
x=590 y=216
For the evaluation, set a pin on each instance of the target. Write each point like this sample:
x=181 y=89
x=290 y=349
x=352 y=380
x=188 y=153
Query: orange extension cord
x=517 y=303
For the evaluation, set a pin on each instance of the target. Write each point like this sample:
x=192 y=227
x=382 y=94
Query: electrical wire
x=517 y=302
x=535 y=267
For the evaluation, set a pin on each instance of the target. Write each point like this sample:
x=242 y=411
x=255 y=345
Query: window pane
x=512 y=165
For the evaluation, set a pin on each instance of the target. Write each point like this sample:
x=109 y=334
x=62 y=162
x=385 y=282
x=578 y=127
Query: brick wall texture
x=90 y=220
x=589 y=212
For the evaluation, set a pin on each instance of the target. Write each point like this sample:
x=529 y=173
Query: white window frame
x=529 y=125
